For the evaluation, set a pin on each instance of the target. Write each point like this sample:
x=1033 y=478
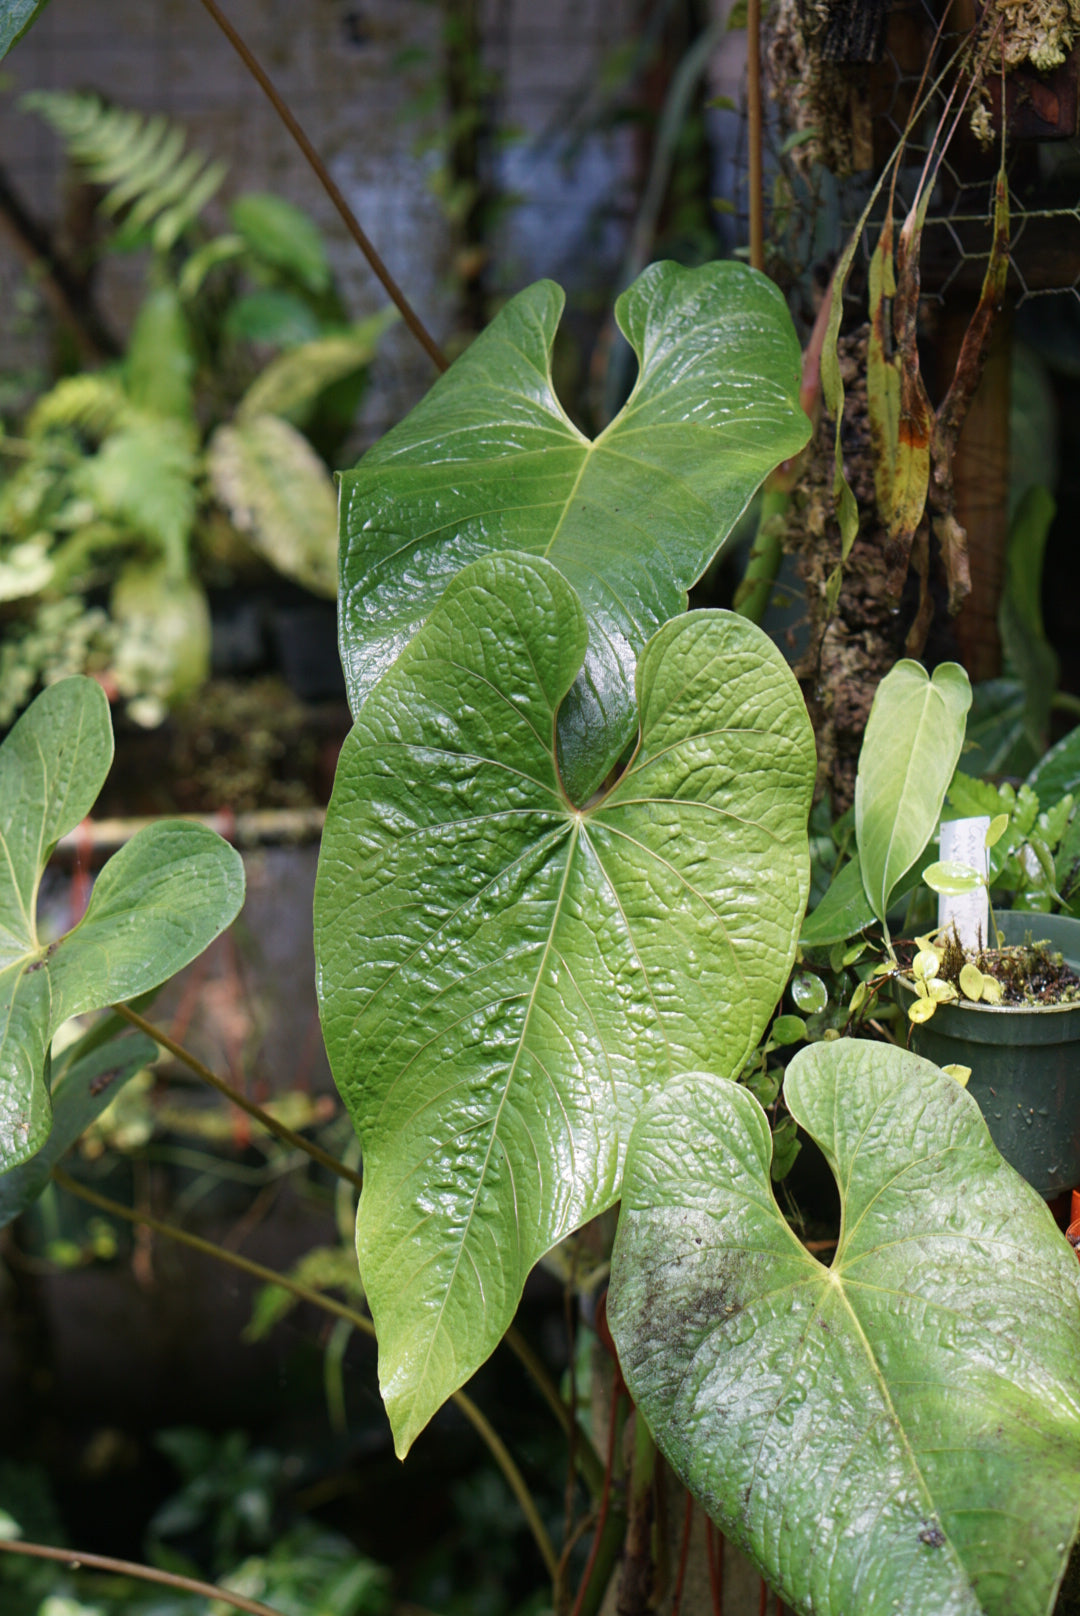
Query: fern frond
x=92 y=403
x=152 y=179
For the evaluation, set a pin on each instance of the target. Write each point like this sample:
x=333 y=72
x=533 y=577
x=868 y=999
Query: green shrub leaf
x=489 y=461
x=504 y=979
x=291 y=384
x=283 y=237
x=909 y=752
x=155 y=906
x=900 y=1431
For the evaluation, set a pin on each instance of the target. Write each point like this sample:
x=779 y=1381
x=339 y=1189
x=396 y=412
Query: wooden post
x=981 y=481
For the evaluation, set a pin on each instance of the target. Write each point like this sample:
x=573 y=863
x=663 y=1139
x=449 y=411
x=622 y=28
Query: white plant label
x=963 y=841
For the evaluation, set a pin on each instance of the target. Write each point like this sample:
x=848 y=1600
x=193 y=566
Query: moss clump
x=1030 y=973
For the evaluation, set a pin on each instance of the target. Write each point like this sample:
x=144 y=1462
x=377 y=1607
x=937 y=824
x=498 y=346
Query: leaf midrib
x=482 y=1174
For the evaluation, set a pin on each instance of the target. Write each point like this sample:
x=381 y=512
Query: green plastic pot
x=1025 y=1064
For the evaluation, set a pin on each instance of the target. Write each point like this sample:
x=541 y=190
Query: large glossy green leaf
x=155 y=906
x=16 y=17
x=89 y=1077
x=489 y=461
x=910 y=749
x=901 y=1431
x=503 y=978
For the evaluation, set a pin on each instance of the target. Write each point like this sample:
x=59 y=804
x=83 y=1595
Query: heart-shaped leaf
x=910 y=749
x=155 y=906
x=16 y=17
x=85 y=1081
x=504 y=978
x=901 y=1431
x=489 y=461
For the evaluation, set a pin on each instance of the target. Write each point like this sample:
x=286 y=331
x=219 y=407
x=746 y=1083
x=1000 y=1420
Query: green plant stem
x=256 y=1112
x=129 y=1568
x=1063 y=701
x=329 y=1304
x=322 y=173
x=585 y=1455
x=766 y=554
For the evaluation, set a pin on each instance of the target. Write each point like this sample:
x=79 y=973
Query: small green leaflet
x=155 y=906
x=504 y=979
x=489 y=461
x=899 y=1431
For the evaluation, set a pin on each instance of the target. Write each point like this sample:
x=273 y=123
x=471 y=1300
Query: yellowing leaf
x=921 y=1010
x=991 y=989
x=971 y=982
x=960 y=1073
x=926 y=963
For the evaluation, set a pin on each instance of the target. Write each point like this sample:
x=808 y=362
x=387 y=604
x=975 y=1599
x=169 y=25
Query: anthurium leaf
x=155 y=905
x=900 y=1431
x=842 y=912
x=909 y=752
x=489 y=461
x=86 y=1082
x=16 y=17
x=503 y=978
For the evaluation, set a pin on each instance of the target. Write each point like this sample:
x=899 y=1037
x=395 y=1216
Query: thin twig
x=714 y=1553
x=129 y=1568
x=264 y=1118
x=348 y=217
x=329 y=1304
x=754 y=122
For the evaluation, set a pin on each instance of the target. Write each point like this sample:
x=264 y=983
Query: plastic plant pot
x=1025 y=1064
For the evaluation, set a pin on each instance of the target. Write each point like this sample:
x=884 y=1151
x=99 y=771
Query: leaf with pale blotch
x=910 y=749
x=899 y=1431
x=155 y=906
x=489 y=462
x=279 y=493
x=504 y=979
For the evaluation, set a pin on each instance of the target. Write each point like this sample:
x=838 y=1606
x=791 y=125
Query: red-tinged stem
x=714 y=1548
x=684 y=1554
x=605 y=1502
